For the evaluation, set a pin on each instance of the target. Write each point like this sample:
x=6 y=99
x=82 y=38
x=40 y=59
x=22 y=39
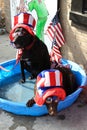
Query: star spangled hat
x=49 y=83
x=24 y=20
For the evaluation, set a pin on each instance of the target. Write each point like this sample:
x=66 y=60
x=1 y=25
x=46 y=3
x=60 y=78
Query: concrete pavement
x=72 y=118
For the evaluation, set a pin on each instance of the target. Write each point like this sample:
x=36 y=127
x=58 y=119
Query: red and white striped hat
x=24 y=20
x=49 y=83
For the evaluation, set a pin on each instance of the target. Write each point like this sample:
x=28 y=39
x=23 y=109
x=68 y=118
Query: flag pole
x=58 y=5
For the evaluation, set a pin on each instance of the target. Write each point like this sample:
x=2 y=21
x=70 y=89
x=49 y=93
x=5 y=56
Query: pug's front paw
x=22 y=81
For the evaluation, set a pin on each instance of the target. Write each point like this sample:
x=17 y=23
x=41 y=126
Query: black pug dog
x=69 y=86
x=35 y=56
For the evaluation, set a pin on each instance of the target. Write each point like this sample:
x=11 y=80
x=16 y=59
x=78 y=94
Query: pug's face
x=51 y=104
x=22 y=38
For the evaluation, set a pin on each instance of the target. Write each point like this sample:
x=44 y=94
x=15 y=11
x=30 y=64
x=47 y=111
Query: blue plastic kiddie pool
x=13 y=95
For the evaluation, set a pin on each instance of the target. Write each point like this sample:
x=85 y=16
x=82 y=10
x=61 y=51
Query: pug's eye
x=17 y=30
x=56 y=100
x=49 y=100
x=20 y=32
x=24 y=33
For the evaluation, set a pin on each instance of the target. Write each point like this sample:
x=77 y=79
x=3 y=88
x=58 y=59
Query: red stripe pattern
x=55 y=54
x=24 y=18
x=49 y=78
x=55 y=34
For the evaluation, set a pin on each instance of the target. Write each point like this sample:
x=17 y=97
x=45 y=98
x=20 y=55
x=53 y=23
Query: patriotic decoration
x=49 y=83
x=55 y=54
x=24 y=20
x=49 y=78
x=54 y=32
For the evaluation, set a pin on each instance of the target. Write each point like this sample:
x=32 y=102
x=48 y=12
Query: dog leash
x=2 y=68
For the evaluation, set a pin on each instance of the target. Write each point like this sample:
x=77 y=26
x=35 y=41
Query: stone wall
x=2 y=5
x=75 y=48
x=7 y=15
x=1 y=8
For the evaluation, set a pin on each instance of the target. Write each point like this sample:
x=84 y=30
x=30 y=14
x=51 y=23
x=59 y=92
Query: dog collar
x=30 y=46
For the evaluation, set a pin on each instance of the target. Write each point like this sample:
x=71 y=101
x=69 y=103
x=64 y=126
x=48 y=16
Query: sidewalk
x=6 y=50
x=72 y=118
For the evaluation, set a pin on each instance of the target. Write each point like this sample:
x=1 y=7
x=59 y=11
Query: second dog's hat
x=49 y=83
x=24 y=20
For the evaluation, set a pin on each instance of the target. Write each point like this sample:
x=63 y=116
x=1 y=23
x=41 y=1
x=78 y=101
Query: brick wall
x=75 y=48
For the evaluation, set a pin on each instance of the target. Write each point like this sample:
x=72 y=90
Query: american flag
x=55 y=54
x=55 y=34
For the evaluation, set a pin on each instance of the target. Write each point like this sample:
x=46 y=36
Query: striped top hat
x=24 y=20
x=49 y=83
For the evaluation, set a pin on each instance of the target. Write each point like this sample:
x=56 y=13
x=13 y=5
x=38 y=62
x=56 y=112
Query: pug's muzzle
x=21 y=38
